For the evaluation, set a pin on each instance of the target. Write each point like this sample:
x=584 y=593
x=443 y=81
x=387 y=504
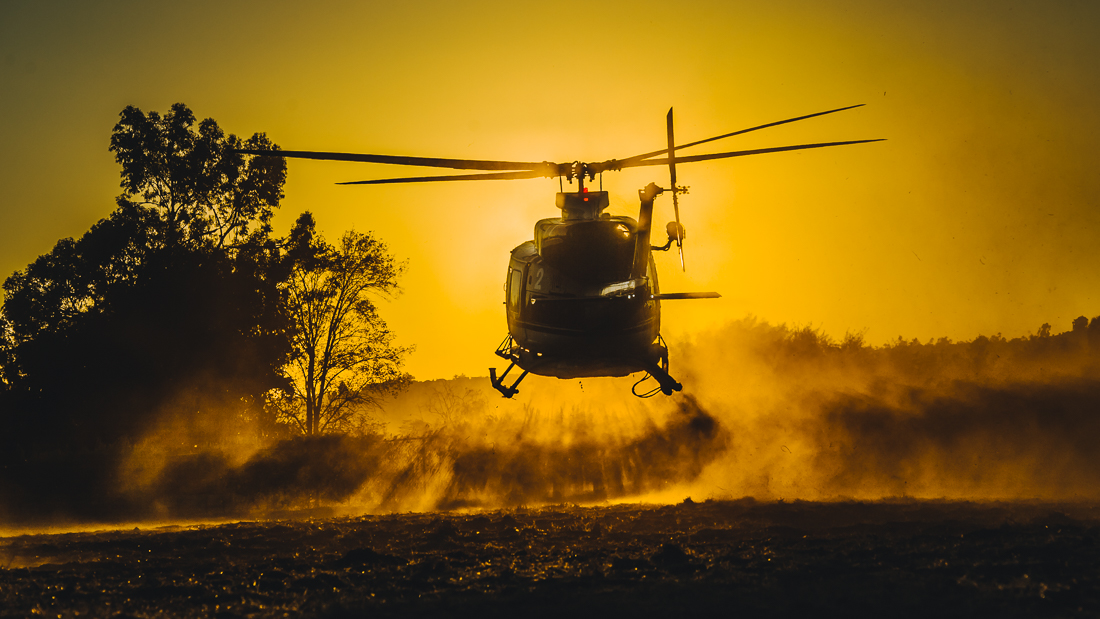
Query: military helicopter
x=582 y=297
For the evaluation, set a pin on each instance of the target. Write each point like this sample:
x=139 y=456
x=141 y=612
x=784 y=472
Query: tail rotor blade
x=672 y=181
x=680 y=247
x=671 y=152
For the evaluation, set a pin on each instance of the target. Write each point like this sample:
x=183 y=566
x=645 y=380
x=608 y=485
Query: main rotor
x=579 y=170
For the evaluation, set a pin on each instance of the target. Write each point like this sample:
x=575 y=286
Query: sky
x=978 y=215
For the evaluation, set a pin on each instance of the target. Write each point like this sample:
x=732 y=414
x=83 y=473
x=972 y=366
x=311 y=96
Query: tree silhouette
x=203 y=190
x=344 y=359
x=172 y=305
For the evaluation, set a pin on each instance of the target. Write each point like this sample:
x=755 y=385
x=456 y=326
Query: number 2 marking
x=538 y=280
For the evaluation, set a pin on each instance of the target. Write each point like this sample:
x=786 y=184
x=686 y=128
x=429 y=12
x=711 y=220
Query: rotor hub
x=582 y=205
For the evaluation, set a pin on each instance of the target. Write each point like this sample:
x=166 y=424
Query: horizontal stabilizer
x=670 y=296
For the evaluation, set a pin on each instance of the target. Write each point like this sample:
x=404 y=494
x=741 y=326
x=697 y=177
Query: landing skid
x=505 y=351
x=656 y=366
x=498 y=383
x=666 y=382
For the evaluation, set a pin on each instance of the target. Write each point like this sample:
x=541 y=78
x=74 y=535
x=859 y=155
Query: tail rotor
x=675 y=229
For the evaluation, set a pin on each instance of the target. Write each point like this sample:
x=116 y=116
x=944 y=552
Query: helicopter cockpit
x=587 y=254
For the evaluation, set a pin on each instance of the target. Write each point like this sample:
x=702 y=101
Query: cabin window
x=515 y=289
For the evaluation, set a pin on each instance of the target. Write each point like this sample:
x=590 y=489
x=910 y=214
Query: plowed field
x=733 y=558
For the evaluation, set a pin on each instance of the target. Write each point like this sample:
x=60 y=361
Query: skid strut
x=657 y=366
x=498 y=383
x=505 y=351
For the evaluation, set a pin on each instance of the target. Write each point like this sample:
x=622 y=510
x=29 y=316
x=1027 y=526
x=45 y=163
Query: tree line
x=183 y=302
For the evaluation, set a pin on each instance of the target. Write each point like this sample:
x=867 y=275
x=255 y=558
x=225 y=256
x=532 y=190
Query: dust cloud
x=814 y=419
x=767 y=411
x=468 y=459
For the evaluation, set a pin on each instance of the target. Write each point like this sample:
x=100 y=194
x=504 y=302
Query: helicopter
x=582 y=297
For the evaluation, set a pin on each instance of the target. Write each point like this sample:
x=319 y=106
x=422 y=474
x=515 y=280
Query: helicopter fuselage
x=581 y=297
x=573 y=302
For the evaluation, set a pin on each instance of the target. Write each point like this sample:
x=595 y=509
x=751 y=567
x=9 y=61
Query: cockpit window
x=589 y=252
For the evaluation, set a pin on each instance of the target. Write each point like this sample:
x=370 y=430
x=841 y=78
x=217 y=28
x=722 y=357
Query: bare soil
x=735 y=558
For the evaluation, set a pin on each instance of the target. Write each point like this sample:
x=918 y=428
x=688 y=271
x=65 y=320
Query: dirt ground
x=737 y=558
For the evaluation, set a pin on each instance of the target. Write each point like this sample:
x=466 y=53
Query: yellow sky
x=979 y=215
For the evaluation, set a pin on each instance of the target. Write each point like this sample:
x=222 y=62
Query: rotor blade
x=750 y=129
x=672 y=181
x=742 y=153
x=458 y=177
x=431 y=162
x=672 y=296
x=672 y=162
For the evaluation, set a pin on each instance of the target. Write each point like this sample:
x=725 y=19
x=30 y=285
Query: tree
x=344 y=359
x=1080 y=324
x=201 y=188
x=174 y=302
x=188 y=241
x=184 y=191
